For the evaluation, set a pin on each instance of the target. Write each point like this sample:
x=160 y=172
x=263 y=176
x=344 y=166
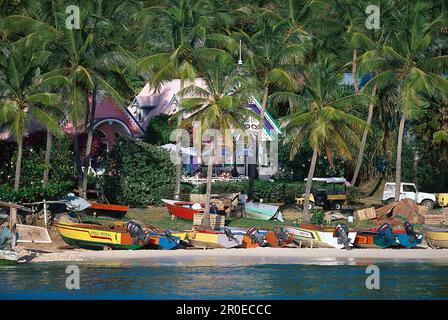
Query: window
x=408 y=188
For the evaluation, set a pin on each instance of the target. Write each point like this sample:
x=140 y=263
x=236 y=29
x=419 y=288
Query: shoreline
x=238 y=257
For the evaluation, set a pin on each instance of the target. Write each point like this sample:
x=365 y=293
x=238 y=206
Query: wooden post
x=12 y=226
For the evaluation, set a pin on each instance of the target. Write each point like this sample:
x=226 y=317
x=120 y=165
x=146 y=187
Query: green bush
x=318 y=217
x=140 y=174
x=273 y=192
x=62 y=174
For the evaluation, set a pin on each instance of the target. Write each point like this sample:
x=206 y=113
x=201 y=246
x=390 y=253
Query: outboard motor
x=282 y=235
x=230 y=235
x=385 y=233
x=169 y=236
x=341 y=231
x=137 y=232
x=256 y=236
x=413 y=236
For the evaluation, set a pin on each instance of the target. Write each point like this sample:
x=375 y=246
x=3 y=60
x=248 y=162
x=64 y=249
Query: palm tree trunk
x=18 y=164
x=354 y=67
x=178 y=149
x=77 y=158
x=47 y=158
x=363 y=141
x=88 y=152
x=205 y=223
x=398 y=164
x=309 y=183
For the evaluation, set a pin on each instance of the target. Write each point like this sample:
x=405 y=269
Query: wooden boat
x=317 y=237
x=437 y=238
x=92 y=236
x=182 y=209
x=8 y=258
x=371 y=238
x=107 y=210
x=213 y=239
x=278 y=238
x=262 y=211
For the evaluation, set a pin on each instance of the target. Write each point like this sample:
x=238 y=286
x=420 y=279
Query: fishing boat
x=318 y=236
x=279 y=238
x=8 y=257
x=254 y=238
x=93 y=236
x=262 y=211
x=385 y=237
x=213 y=239
x=182 y=209
x=107 y=210
x=437 y=238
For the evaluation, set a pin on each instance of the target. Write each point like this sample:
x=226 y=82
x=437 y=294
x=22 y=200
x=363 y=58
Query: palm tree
x=178 y=34
x=219 y=105
x=318 y=118
x=21 y=100
x=273 y=53
x=408 y=66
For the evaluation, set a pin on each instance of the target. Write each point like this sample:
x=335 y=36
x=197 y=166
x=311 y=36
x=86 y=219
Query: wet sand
x=239 y=256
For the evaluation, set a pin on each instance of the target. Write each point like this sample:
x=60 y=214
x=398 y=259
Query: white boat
x=318 y=237
x=8 y=257
x=262 y=211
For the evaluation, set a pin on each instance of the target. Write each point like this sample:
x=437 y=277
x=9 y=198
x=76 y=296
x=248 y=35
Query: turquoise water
x=408 y=280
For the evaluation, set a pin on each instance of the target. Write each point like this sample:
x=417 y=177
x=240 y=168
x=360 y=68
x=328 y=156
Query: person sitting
x=234 y=173
x=199 y=173
x=214 y=208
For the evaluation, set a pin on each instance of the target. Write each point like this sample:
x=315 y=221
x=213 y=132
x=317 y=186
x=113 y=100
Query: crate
x=216 y=220
x=365 y=214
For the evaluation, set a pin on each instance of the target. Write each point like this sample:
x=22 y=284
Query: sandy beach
x=238 y=256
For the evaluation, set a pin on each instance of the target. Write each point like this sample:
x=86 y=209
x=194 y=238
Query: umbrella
x=190 y=151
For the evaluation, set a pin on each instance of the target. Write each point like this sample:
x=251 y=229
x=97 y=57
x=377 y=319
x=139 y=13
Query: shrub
x=159 y=130
x=62 y=174
x=140 y=174
x=318 y=217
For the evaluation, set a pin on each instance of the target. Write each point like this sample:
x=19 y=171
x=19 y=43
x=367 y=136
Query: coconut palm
x=273 y=54
x=178 y=35
x=318 y=118
x=408 y=66
x=220 y=105
x=21 y=100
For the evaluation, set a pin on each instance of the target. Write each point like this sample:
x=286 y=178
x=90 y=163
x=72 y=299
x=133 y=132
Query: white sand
x=245 y=256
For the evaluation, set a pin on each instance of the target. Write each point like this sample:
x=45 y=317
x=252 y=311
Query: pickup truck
x=409 y=191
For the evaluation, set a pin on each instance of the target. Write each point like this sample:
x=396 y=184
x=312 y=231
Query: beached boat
x=107 y=210
x=182 y=209
x=92 y=236
x=262 y=211
x=253 y=238
x=385 y=237
x=8 y=258
x=214 y=239
x=318 y=237
x=437 y=238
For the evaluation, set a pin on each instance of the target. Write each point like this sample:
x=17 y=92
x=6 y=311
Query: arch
x=110 y=121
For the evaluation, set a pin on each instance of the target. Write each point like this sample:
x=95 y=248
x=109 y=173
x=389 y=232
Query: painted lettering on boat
x=193 y=310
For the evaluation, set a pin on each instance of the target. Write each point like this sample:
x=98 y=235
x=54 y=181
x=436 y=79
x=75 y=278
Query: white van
x=408 y=191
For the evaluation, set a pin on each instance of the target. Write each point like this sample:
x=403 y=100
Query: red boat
x=182 y=209
x=107 y=210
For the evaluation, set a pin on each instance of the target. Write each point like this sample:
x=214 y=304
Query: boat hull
x=210 y=239
x=181 y=209
x=96 y=237
x=315 y=237
x=163 y=242
x=371 y=239
x=437 y=238
x=8 y=258
x=107 y=210
x=262 y=211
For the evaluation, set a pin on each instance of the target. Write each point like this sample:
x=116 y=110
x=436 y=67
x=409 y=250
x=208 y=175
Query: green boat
x=262 y=211
x=8 y=258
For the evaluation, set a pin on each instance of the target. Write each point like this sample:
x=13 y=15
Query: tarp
x=74 y=203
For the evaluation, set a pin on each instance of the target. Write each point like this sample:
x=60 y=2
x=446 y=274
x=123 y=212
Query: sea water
x=325 y=279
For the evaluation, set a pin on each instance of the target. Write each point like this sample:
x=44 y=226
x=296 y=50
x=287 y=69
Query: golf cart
x=332 y=197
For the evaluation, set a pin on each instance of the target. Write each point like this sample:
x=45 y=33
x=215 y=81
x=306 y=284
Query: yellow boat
x=96 y=236
x=437 y=238
x=213 y=239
